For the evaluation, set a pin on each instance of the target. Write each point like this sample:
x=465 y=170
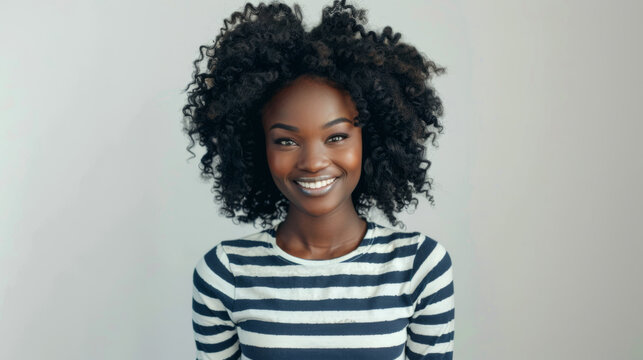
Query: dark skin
x=314 y=152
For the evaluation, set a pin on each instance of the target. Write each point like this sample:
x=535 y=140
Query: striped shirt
x=390 y=298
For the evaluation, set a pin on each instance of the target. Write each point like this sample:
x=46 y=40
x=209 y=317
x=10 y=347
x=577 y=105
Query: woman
x=304 y=132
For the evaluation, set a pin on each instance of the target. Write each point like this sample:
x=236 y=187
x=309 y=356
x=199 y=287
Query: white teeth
x=315 y=184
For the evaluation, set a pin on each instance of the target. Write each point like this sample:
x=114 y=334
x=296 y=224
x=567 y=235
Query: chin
x=318 y=207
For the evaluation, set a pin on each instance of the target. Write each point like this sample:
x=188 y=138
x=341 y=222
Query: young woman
x=304 y=132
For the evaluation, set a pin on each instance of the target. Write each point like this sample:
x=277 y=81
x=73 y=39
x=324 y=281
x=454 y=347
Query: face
x=313 y=148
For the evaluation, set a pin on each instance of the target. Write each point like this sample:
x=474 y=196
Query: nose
x=313 y=158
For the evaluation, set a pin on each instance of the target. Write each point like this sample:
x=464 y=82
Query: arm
x=215 y=333
x=431 y=328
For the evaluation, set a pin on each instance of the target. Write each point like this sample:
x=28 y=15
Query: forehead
x=309 y=98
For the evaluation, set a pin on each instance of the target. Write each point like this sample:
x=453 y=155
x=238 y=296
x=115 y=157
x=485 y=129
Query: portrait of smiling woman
x=305 y=132
x=229 y=180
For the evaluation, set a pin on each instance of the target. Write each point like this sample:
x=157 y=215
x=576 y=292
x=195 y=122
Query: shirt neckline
x=364 y=245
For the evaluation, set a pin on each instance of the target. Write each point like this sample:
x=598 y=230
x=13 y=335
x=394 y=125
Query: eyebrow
x=295 y=129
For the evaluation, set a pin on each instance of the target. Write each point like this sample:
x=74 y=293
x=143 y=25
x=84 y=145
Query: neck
x=321 y=237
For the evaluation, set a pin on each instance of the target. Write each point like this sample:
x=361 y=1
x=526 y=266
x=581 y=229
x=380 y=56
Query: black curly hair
x=261 y=50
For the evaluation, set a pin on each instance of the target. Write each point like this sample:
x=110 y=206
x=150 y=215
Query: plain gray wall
x=537 y=177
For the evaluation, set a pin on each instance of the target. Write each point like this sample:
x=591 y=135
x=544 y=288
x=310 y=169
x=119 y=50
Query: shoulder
x=217 y=258
x=432 y=273
x=429 y=263
x=255 y=240
x=431 y=249
x=383 y=235
x=426 y=251
x=424 y=243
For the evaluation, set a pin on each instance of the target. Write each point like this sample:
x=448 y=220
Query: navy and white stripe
x=391 y=298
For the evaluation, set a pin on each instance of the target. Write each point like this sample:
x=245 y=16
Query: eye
x=337 y=137
x=285 y=142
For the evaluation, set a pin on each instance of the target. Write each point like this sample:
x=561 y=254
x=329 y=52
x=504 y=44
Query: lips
x=316 y=186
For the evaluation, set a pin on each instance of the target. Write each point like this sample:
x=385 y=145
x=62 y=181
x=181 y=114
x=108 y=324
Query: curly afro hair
x=261 y=50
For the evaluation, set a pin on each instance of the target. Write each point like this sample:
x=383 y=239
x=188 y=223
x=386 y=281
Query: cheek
x=278 y=163
x=352 y=160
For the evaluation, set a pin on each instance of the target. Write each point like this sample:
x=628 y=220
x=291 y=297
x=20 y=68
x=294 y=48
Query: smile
x=315 y=187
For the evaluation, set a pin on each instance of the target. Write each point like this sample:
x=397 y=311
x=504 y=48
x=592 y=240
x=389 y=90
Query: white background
x=537 y=176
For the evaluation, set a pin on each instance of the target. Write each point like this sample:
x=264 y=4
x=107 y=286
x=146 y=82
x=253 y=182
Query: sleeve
x=215 y=333
x=431 y=328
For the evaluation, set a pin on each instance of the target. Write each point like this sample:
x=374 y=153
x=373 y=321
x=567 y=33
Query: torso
x=358 y=303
